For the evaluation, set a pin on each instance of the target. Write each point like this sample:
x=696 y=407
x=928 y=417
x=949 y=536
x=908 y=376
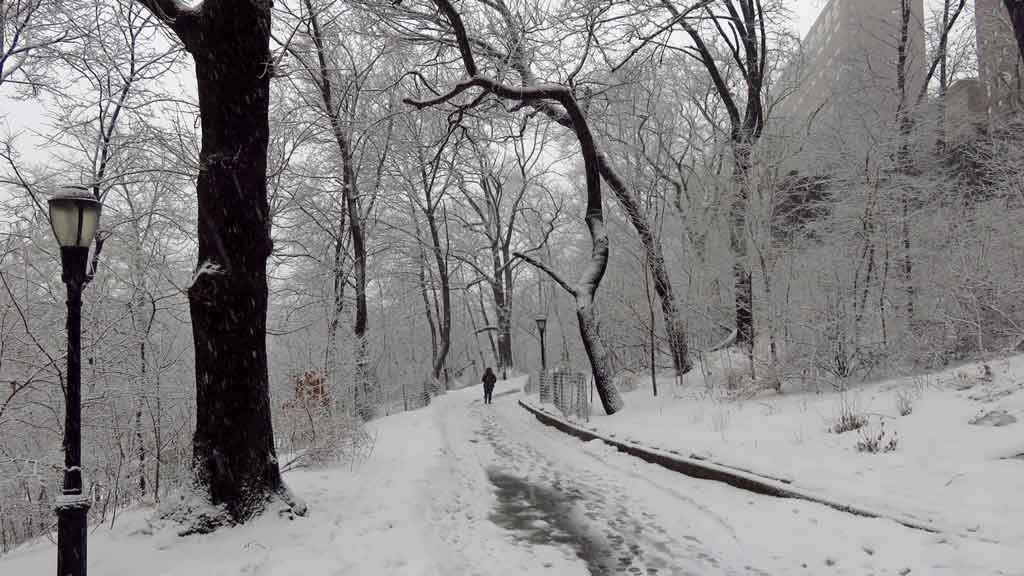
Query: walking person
x=489 y=379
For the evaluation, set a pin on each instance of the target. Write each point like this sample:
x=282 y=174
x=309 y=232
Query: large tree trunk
x=503 y=310
x=234 y=459
x=1016 y=10
x=743 y=285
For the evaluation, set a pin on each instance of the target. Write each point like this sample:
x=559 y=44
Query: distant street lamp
x=542 y=322
x=74 y=216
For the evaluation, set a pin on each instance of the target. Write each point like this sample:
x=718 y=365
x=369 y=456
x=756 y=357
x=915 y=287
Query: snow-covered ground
x=464 y=488
x=964 y=476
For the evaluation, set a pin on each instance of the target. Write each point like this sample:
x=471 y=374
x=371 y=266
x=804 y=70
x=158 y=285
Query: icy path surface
x=463 y=488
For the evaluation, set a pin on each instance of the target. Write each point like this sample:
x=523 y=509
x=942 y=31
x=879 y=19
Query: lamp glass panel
x=67 y=214
x=90 y=219
x=64 y=221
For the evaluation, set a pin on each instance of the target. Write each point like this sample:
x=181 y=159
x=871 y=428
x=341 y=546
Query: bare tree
x=583 y=292
x=501 y=192
x=513 y=52
x=740 y=26
x=428 y=180
x=340 y=65
x=29 y=32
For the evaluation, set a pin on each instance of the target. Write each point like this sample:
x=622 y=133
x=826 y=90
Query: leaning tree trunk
x=675 y=324
x=234 y=459
x=611 y=400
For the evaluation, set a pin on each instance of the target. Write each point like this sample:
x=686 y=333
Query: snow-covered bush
x=315 y=429
x=904 y=402
x=877 y=441
x=847 y=415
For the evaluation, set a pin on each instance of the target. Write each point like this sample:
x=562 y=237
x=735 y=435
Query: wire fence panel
x=568 y=391
x=545 y=388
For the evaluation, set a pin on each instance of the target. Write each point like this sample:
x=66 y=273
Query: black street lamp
x=74 y=215
x=542 y=322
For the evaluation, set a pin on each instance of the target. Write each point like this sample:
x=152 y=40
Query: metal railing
x=568 y=391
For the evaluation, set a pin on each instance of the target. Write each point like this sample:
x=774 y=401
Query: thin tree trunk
x=490 y=333
x=650 y=334
x=473 y=326
x=337 y=307
x=906 y=126
x=350 y=195
x=139 y=439
x=940 y=144
x=445 y=318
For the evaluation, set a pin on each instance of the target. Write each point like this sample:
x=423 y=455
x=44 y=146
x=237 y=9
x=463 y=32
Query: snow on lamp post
x=74 y=216
x=542 y=322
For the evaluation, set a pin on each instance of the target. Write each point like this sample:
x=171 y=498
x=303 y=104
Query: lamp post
x=542 y=322
x=74 y=215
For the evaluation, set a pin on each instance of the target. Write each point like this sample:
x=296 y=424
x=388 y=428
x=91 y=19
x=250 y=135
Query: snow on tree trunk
x=611 y=400
x=234 y=461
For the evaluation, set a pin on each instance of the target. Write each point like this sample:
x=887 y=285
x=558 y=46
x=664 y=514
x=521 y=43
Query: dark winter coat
x=489 y=379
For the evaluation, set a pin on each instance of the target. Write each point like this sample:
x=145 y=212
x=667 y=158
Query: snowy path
x=613 y=514
x=461 y=488
x=565 y=506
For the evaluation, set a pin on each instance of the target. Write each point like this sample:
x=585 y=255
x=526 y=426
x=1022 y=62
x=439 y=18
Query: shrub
x=874 y=443
x=904 y=402
x=848 y=416
x=735 y=379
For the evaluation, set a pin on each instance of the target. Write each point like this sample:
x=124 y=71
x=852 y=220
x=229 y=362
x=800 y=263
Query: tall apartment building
x=999 y=61
x=847 y=78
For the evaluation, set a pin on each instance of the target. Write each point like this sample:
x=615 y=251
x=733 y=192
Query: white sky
x=806 y=11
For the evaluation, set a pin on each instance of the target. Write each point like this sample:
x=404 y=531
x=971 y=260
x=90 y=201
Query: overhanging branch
x=547 y=270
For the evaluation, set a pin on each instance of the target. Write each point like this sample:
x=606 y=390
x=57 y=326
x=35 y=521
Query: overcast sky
x=806 y=11
x=26 y=114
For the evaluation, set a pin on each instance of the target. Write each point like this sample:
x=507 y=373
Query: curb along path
x=705 y=470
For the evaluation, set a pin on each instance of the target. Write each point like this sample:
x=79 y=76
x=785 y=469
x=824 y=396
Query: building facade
x=999 y=61
x=848 y=76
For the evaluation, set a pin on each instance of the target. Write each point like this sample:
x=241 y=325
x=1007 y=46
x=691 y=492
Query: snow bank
x=944 y=468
